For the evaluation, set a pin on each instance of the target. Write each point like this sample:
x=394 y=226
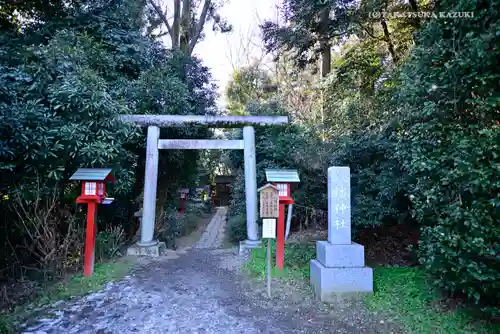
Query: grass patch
x=405 y=295
x=79 y=285
x=297 y=260
x=72 y=286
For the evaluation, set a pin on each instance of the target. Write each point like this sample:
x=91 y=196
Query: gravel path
x=199 y=290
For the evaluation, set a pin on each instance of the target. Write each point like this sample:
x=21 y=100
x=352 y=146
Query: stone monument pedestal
x=153 y=249
x=339 y=272
x=339 y=269
x=246 y=246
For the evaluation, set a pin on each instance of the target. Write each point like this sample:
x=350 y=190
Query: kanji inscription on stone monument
x=339 y=205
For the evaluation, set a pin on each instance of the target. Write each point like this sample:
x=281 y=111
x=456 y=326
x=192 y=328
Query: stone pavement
x=214 y=234
x=199 y=290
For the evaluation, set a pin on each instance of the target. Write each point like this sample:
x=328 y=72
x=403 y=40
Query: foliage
x=405 y=295
x=447 y=104
x=420 y=133
x=311 y=25
x=377 y=187
x=48 y=240
x=208 y=205
x=236 y=228
x=67 y=73
x=170 y=225
x=5 y=326
x=109 y=243
x=248 y=85
x=186 y=28
x=174 y=225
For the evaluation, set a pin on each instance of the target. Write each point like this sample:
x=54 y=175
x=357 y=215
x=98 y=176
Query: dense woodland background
x=411 y=105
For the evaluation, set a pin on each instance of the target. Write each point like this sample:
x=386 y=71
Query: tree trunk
x=195 y=35
x=387 y=39
x=185 y=27
x=326 y=52
x=176 y=25
x=414 y=7
x=183 y=33
x=326 y=58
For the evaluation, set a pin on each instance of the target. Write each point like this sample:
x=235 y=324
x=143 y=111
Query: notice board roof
x=282 y=175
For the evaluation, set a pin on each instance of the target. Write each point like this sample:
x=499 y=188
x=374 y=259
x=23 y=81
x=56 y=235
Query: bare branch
x=162 y=16
x=162 y=34
x=367 y=31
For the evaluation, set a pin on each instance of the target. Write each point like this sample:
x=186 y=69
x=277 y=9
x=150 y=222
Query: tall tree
x=311 y=28
x=248 y=85
x=182 y=23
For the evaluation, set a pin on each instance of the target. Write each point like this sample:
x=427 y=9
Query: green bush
x=460 y=237
x=5 y=326
x=170 y=224
x=174 y=225
x=236 y=219
x=109 y=243
x=236 y=228
x=447 y=104
x=191 y=222
x=64 y=82
x=377 y=182
x=421 y=137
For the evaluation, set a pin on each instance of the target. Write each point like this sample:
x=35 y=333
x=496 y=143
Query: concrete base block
x=332 y=284
x=247 y=245
x=330 y=255
x=154 y=250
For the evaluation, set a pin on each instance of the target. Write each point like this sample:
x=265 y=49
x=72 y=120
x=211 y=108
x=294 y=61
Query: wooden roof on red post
x=93 y=174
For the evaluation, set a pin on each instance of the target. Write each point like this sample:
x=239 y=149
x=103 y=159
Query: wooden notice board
x=269 y=201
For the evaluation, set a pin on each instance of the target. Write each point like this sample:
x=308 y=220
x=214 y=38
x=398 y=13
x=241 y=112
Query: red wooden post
x=93 y=194
x=280 y=239
x=282 y=178
x=88 y=267
x=182 y=206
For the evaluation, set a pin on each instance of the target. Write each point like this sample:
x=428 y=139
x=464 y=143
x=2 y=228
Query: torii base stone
x=339 y=269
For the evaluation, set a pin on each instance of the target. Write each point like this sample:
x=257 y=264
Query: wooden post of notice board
x=269 y=211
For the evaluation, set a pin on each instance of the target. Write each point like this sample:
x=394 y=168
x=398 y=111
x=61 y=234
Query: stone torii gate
x=147 y=245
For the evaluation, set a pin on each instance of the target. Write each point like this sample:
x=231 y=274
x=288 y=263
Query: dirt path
x=199 y=290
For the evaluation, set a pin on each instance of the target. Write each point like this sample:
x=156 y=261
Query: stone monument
x=339 y=268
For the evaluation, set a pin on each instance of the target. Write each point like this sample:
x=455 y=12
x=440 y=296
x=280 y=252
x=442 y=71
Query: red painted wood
x=181 y=209
x=88 y=266
x=280 y=239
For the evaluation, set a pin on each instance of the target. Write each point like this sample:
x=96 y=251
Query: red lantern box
x=184 y=192
x=93 y=193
